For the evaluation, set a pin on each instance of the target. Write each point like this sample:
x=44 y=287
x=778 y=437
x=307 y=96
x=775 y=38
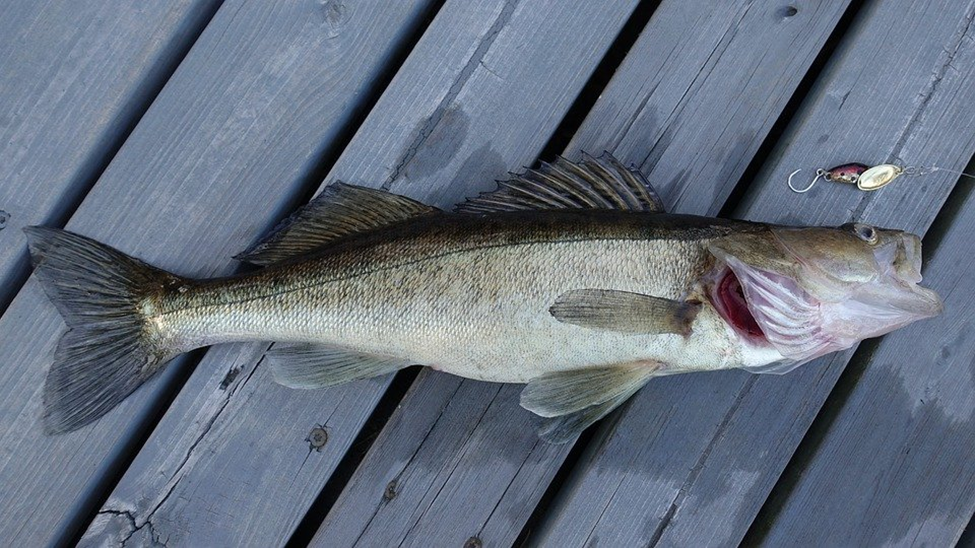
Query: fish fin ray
x=109 y=350
x=593 y=183
x=625 y=312
x=565 y=428
x=338 y=211
x=303 y=365
x=565 y=392
x=780 y=367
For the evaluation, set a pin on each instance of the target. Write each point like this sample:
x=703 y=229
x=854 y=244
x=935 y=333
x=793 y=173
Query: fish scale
x=569 y=278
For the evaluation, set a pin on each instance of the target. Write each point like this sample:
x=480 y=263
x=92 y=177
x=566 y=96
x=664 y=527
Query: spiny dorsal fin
x=593 y=183
x=340 y=210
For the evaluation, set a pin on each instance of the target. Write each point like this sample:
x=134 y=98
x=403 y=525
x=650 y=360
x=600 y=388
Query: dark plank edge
x=56 y=139
x=418 y=450
x=226 y=146
x=760 y=420
x=443 y=130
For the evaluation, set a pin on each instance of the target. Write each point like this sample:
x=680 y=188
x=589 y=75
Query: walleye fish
x=570 y=278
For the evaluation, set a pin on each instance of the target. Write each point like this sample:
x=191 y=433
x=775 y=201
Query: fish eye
x=866 y=233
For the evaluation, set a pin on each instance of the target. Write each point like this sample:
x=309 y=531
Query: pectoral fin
x=570 y=401
x=625 y=312
x=298 y=365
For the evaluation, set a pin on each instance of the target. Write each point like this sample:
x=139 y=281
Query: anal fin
x=302 y=365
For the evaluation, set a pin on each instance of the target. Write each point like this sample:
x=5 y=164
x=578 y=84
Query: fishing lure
x=868 y=178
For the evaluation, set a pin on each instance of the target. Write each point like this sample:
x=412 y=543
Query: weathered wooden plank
x=692 y=460
x=229 y=463
x=895 y=466
x=74 y=78
x=227 y=146
x=720 y=55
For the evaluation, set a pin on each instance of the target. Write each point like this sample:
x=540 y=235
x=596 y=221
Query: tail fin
x=108 y=350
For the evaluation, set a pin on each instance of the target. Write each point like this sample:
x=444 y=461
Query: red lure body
x=846 y=173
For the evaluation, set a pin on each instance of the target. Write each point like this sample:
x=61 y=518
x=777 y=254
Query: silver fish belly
x=569 y=278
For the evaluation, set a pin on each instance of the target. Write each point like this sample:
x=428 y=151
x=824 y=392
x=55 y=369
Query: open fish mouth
x=767 y=308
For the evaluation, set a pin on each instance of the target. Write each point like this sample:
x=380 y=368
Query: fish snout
x=907 y=260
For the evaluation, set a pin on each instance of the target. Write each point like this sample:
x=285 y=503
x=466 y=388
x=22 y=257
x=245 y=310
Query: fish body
x=569 y=278
x=470 y=295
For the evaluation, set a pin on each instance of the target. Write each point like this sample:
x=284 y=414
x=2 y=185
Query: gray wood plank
x=229 y=462
x=895 y=467
x=225 y=149
x=74 y=78
x=693 y=458
x=475 y=477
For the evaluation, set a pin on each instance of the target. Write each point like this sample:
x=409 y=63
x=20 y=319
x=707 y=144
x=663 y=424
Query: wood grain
x=902 y=438
x=74 y=79
x=227 y=147
x=230 y=463
x=719 y=56
x=693 y=459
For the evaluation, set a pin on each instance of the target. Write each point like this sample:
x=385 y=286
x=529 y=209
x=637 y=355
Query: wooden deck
x=181 y=131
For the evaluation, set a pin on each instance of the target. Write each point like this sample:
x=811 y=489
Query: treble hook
x=819 y=174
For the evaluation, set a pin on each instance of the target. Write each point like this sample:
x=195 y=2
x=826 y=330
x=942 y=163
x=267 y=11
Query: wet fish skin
x=569 y=278
x=466 y=294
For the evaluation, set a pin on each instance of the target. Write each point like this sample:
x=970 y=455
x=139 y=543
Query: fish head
x=811 y=291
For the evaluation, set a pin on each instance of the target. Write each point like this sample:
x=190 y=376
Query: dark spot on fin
x=339 y=211
x=301 y=365
x=593 y=183
x=570 y=401
x=625 y=312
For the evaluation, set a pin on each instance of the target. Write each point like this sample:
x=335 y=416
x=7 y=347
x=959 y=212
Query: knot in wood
x=317 y=438
x=390 y=492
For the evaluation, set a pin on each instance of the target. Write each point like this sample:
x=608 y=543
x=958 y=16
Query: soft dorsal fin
x=593 y=183
x=340 y=210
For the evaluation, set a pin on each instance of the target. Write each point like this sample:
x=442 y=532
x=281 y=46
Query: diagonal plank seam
x=707 y=67
x=139 y=104
x=699 y=465
x=609 y=501
x=507 y=488
x=476 y=59
x=456 y=462
x=928 y=94
x=399 y=474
